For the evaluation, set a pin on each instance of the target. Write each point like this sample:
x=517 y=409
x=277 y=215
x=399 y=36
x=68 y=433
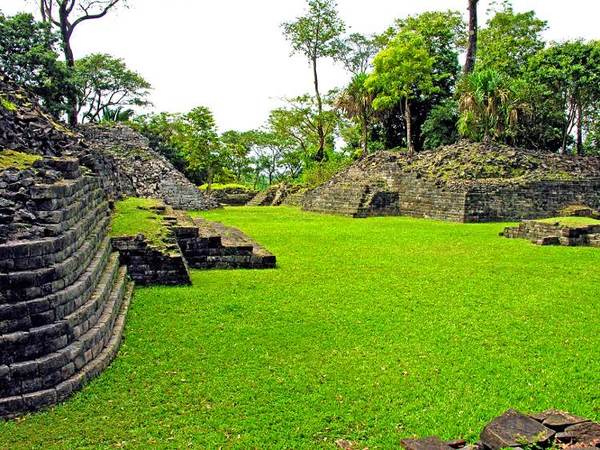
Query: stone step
x=37 y=341
x=47 y=309
x=31 y=255
x=30 y=284
x=16 y=405
x=53 y=368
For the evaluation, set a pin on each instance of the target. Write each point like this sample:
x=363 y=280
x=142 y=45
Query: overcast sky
x=230 y=55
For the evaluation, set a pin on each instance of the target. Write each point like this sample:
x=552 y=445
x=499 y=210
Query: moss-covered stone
x=12 y=159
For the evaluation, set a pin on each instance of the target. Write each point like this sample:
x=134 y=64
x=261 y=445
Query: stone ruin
x=232 y=196
x=282 y=194
x=64 y=290
x=190 y=244
x=465 y=182
x=130 y=168
x=550 y=429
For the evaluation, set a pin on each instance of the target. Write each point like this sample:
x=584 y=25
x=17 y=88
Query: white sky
x=230 y=55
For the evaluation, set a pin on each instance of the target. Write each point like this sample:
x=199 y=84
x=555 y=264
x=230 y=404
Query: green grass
x=370 y=330
x=572 y=221
x=12 y=159
x=133 y=216
x=220 y=186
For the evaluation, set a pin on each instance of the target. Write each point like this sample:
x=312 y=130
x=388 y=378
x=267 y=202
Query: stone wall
x=234 y=196
x=496 y=203
x=381 y=185
x=275 y=195
x=129 y=167
x=63 y=293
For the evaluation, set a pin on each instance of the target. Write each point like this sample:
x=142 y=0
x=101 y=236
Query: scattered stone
x=583 y=433
x=514 y=429
x=558 y=420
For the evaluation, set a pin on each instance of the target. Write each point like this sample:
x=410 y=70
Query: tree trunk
x=365 y=137
x=320 y=155
x=408 y=118
x=579 y=129
x=66 y=31
x=472 y=48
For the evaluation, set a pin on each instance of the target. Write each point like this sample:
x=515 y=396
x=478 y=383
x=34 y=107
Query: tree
x=491 y=105
x=509 y=41
x=472 y=42
x=403 y=70
x=357 y=53
x=238 y=146
x=316 y=35
x=440 y=127
x=356 y=101
x=67 y=15
x=104 y=82
x=196 y=134
x=443 y=33
x=28 y=56
x=570 y=73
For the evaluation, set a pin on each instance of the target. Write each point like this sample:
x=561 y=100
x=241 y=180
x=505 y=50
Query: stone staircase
x=63 y=297
x=212 y=245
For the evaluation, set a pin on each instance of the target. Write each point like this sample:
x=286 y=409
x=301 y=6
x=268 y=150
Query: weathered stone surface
x=429 y=443
x=275 y=195
x=582 y=433
x=514 y=429
x=129 y=167
x=558 y=420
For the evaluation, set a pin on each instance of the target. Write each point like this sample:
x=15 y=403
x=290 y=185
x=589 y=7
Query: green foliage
x=317 y=33
x=356 y=102
x=103 y=83
x=12 y=159
x=509 y=41
x=491 y=106
x=440 y=128
x=357 y=53
x=134 y=216
x=28 y=55
x=316 y=174
x=569 y=73
x=369 y=330
x=7 y=104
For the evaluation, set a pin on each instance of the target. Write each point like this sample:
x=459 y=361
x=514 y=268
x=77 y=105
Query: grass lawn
x=133 y=216
x=370 y=330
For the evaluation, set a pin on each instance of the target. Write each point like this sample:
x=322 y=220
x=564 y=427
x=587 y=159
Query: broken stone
x=428 y=443
x=583 y=433
x=558 y=420
x=514 y=429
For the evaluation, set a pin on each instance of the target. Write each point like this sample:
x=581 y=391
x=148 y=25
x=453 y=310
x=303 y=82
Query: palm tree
x=356 y=102
x=491 y=106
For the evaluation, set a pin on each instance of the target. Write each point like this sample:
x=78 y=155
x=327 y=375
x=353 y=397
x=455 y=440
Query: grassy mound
x=135 y=216
x=369 y=331
x=571 y=221
x=226 y=186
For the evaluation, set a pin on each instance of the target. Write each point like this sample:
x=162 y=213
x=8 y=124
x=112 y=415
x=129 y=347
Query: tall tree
x=103 y=83
x=357 y=53
x=403 y=71
x=67 y=15
x=316 y=35
x=570 y=73
x=472 y=42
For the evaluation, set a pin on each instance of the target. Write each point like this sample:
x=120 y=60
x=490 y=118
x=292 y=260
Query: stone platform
x=63 y=293
x=548 y=233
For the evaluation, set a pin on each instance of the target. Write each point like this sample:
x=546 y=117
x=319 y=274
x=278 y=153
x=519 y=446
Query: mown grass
x=12 y=159
x=572 y=221
x=370 y=330
x=134 y=216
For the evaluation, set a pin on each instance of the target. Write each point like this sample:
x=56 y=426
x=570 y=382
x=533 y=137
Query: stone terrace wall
x=489 y=203
x=63 y=294
x=123 y=158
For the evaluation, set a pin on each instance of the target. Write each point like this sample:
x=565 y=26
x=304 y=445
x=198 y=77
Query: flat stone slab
x=558 y=420
x=428 y=443
x=586 y=433
x=513 y=429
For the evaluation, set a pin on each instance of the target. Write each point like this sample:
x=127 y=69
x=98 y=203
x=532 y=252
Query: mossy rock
x=13 y=159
